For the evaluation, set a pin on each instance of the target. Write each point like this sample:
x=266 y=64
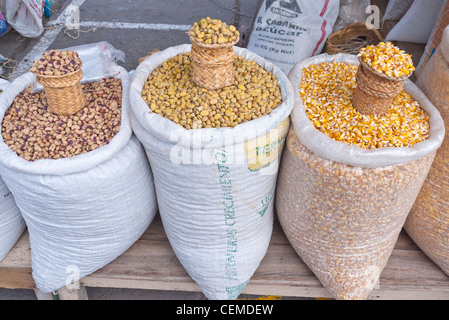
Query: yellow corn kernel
x=388 y=59
x=326 y=92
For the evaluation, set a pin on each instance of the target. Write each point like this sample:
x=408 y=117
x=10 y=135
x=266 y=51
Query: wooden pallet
x=152 y=265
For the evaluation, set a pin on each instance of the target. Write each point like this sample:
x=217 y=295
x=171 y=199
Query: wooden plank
x=15 y=268
x=16 y=278
x=281 y=272
x=152 y=265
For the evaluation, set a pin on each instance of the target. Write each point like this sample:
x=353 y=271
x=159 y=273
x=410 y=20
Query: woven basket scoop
x=212 y=64
x=375 y=92
x=64 y=93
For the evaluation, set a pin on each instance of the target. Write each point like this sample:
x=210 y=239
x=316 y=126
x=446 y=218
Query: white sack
x=215 y=203
x=25 y=16
x=327 y=148
x=286 y=32
x=396 y=9
x=82 y=212
x=418 y=22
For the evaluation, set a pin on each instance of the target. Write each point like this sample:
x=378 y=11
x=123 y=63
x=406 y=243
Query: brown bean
x=33 y=133
x=55 y=62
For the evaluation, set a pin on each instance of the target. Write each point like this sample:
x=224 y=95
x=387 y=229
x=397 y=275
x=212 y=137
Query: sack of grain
x=214 y=186
x=83 y=211
x=428 y=221
x=342 y=206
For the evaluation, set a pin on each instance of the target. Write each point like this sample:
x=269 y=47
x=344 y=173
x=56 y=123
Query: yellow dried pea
x=171 y=93
x=388 y=59
x=213 y=31
x=326 y=92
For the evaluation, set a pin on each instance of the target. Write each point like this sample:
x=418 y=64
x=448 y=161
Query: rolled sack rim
x=75 y=164
x=166 y=130
x=325 y=147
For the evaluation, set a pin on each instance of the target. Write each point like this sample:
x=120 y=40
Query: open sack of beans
x=215 y=157
x=428 y=221
x=12 y=224
x=348 y=179
x=79 y=176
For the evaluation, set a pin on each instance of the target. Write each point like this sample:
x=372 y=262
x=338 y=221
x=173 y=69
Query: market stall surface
x=138 y=27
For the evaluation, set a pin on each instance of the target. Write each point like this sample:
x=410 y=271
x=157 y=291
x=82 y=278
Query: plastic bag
x=99 y=59
x=428 y=221
x=25 y=16
x=342 y=209
x=84 y=211
x=215 y=190
x=286 y=32
x=351 y=11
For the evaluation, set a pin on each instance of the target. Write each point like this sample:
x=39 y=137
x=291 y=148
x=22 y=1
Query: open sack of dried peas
x=349 y=179
x=12 y=224
x=428 y=221
x=80 y=177
x=215 y=157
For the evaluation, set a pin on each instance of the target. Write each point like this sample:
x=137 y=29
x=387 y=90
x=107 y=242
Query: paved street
x=135 y=27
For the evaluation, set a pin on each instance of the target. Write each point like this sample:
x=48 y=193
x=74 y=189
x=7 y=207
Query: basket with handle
x=352 y=38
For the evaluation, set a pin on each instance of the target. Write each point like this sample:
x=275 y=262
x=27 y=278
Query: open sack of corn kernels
x=214 y=153
x=349 y=179
x=428 y=221
x=80 y=178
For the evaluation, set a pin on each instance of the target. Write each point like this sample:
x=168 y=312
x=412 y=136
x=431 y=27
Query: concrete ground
x=135 y=27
